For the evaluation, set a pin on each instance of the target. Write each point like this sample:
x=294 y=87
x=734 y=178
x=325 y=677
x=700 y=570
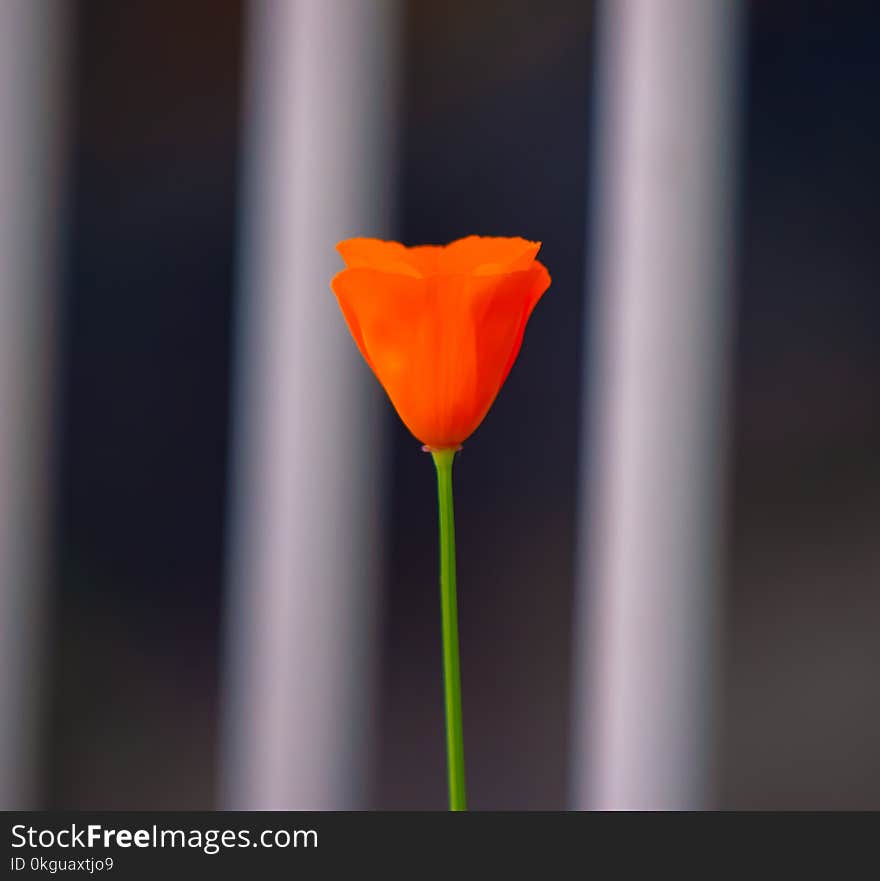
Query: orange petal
x=350 y=316
x=393 y=320
x=500 y=317
x=389 y=257
x=540 y=282
x=488 y=255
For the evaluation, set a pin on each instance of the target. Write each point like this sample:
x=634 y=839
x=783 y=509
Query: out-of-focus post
x=654 y=420
x=32 y=61
x=306 y=488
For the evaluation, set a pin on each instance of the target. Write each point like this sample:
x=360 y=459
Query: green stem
x=449 y=614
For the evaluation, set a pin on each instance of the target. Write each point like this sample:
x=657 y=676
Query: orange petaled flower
x=440 y=326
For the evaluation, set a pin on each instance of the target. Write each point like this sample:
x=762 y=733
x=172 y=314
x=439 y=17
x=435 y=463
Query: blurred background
x=147 y=160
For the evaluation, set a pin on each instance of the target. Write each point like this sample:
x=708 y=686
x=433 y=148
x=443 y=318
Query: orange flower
x=440 y=326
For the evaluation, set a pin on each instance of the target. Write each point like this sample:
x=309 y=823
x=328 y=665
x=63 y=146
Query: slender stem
x=449 y=614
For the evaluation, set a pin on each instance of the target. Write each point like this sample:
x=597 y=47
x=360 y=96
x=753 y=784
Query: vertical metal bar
x=305 y=516
x=651 y=497
x=32 y=44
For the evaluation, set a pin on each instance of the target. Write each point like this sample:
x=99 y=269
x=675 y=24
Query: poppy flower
x=440 y=326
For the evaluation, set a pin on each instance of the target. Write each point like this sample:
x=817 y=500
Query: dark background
x=495 y=138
